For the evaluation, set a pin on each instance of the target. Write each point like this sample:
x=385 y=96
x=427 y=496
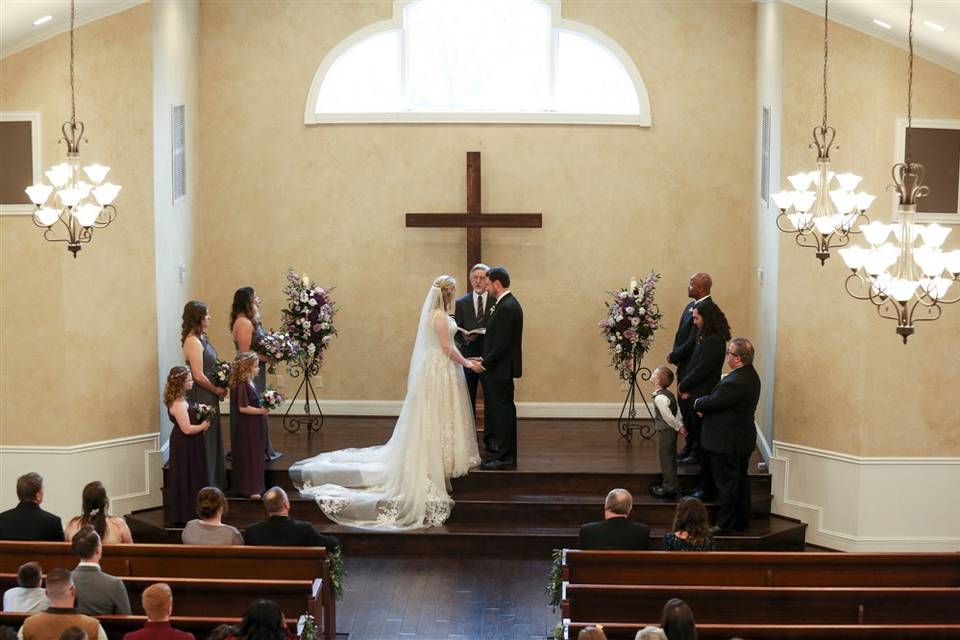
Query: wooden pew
x=163 y=562
x=769 y=569
x=618 y=631
x=117 y=626
x=219 y=597
x=767 y=605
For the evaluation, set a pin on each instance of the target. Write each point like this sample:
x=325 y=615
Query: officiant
x=471 y=312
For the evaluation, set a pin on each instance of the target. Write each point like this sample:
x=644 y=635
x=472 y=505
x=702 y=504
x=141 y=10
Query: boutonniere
x=493 y=308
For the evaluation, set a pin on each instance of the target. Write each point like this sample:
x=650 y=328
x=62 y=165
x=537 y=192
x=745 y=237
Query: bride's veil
x=426 y=336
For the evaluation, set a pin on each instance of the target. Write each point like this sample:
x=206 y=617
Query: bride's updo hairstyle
x=447 y=286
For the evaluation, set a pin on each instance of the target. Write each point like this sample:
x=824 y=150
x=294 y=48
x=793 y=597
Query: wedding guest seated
x=223 y=631
x=111 y=529
x=677 y=620
x=278 y=529
x=157 y=602
x=98 y=593
x=27 y=521
x=651 y=633
x=60 y=615
x=208 y=528
x=28 y=596
x=615 y=532
x=691 y=529
x=592 y=632
x=263 y=621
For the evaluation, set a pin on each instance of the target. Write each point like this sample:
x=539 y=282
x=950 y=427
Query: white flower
x=629 y=311
x=324 y=326
x=622 y=294
x=326 y=339
x=641 y=311
x=618 y=349
x=618 y=318
x=635 y=321
x=313 y=302
x=303 y=296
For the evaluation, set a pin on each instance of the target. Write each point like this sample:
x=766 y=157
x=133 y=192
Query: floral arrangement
x=276 y=346
x=270 y=399
x=221 y=373
x=632 y=318
x=308 y=317
x=205 y=412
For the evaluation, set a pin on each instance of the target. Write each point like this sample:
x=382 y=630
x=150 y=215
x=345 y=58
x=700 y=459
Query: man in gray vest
x=668 y=425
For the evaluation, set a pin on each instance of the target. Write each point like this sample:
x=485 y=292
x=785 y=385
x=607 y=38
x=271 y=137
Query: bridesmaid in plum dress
x=187 y=472
x=248 y=460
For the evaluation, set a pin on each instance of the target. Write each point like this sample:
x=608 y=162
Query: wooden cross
x=473 y=220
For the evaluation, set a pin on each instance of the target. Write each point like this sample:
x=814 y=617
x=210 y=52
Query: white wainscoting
x=854 y=503
x=130 y=468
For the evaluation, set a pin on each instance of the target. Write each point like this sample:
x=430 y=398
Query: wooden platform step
x=766 y=533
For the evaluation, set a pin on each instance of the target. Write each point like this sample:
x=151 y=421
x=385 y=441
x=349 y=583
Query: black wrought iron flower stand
x=312 y=418
x=628 y=421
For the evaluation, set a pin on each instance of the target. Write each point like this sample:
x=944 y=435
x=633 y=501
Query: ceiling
x=17 y=31
x=16 y=19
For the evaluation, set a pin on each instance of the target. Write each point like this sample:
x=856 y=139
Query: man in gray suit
x=97 y=592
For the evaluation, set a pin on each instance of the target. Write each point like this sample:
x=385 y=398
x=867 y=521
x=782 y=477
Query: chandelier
x=822 y=218
x=903 y=279
x=79 y=204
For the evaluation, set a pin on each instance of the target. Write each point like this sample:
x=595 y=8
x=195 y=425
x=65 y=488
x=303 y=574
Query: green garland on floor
x=337 y=573
x=555 y=579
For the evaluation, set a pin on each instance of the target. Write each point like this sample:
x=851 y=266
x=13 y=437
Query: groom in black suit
x=502 y=362
x=472 y=311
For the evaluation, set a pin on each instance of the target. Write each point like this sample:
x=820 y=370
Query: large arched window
x=478 y=61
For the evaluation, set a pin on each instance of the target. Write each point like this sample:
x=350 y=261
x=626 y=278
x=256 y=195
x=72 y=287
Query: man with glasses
x=729 y=435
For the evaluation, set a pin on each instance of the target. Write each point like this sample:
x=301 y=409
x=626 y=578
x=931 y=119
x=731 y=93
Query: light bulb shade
x=783 y=199
x=106 y=193
x=800 y=221
x=875 y=263
x=46 y=216
x=842 y=200
x=936 y=288
x=69 y=197
x=881 y=284
x=84 y=188
x=86 y=214
x=876 y=233
x=951 y=261
x=58 y=174
x=38 y=193
x=848 y=220
x=96 y=172
x=929 y=260
x=854 y=257
x=800 y=181
x=827 y=224
x=902 y=289
x=933 y=234
x=803 y=200
x=848 y=181
x=889 y=253
x=863 y=200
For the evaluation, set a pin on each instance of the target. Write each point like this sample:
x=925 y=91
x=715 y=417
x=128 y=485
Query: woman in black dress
x=187 y=472
x=248 y=464
x=201 y=357
x=691 y=529
x=246 y=328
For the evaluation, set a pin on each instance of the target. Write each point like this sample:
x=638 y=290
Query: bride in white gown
x=403 y=483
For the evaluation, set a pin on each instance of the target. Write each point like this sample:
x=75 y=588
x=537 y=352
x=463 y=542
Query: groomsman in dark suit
x=684 y=343
x=502 y=362
x=471 y=311
x=729 y=434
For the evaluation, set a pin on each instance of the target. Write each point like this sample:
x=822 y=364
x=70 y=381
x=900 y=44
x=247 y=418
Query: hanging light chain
x=826 y=13
x=909 y=87
x=73 y=100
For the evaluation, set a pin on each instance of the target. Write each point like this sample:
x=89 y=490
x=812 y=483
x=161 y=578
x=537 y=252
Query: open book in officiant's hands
x=479 y=331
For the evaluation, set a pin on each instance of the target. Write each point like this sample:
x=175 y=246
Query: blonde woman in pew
x=95 y=503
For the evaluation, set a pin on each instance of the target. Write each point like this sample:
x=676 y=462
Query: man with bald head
x=684 y=341
x=615 y=532
x=280 y=530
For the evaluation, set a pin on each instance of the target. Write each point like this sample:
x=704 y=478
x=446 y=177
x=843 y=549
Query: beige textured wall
x=77 y=337
x=617 y=201
x=845 y=382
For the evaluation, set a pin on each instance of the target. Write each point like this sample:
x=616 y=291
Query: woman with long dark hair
x=691 y=528
x=112 y=529
x=263 y=621
x=677 y=620
x=201 y=358
x=247 y=330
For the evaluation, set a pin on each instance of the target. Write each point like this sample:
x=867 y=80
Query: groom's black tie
x=480 y=310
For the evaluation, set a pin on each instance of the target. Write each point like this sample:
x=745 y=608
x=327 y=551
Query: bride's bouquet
x=271 y=399
x=308 y=316
x=632 y=317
